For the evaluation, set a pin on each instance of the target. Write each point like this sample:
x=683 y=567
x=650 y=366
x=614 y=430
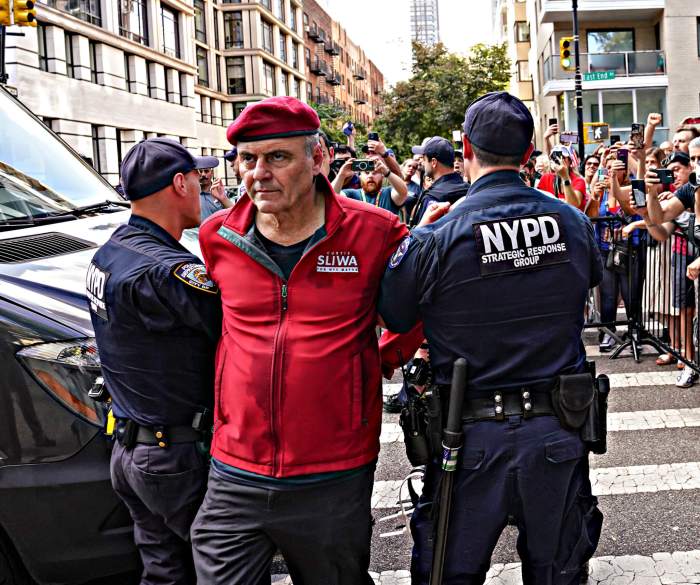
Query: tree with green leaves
x=432 y=102
x=332 y=120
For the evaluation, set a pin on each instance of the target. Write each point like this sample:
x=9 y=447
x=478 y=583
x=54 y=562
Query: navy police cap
x=151 y=165
x=499 y=123
x=438 y=148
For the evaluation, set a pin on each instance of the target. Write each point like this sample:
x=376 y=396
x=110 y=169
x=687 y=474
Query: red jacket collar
x=241 y=216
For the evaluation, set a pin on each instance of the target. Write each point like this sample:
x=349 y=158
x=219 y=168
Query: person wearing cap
x=212 y=196
x=563 y=182
x=157 y=319
x=438 y=165
x=298 y=385
x=234 y=193
x=502 y=280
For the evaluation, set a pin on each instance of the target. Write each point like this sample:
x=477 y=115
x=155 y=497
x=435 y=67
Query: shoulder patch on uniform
x=398 y=256
x=195 y=275
x=514 y=244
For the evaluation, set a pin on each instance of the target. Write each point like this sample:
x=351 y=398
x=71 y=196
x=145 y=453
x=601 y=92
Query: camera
x=363 y=165
x=418 y=372
x=373 y=136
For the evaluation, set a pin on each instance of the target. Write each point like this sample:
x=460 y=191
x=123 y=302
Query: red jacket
x=298 y=380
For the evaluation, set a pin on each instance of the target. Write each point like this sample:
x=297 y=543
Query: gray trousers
x=162 y=488
x=323 y=531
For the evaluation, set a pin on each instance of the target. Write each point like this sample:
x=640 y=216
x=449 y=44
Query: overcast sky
x=382 y=29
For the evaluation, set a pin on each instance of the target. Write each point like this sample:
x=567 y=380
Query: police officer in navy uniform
x=157 y=319
x=501 y=280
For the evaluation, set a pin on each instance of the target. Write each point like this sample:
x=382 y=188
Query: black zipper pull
x=284 y=297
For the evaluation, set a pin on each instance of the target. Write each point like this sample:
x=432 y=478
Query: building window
x=218 y=73
x=133 y=23
x=285 y=84
x=233 y=30
x=204 y=116
x=87 y=10
x=235 y=75
x=202 y=67
x=70 y=61
x=610 y=41
x=283 y=47
x=295 y=56
x=293 y=18
x=267 y=36
x=524 y=71
x=200 y=27
x=168 y=87
x=522 y=32
x=296 y=88
x=216 y=30
x=279 y=9
x=93 y=61
x=43 y=57
x=305 y=20
x=171 y=31
x=238 y=109
x=307 y=55
x=266 y=4
x=96 y=150
x=269 y=79
x=232 y=1
x=127 y=72
x=698 y=27
x=149 y=86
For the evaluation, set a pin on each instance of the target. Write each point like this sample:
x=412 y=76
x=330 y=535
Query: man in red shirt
x=298 y=401
x=564 y=183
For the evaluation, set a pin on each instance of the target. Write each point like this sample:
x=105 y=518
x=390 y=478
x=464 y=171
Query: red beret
x=276 y=117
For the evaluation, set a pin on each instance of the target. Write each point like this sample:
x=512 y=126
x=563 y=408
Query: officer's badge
x=400 y=252
x=195 y=275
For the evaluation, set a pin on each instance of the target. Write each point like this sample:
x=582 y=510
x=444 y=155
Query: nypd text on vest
x=520 y=243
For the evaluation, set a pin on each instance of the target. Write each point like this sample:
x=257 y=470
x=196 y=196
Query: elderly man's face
x=278 y=173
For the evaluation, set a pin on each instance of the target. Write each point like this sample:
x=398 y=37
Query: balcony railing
x=333 y=78
x=313 y=32
x=359 y=73
x=332 y=48
x=624 y=64
x=319 y=67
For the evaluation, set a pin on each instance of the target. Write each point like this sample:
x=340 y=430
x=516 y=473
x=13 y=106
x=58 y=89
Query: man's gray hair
x=311 y=143
x=694 y=143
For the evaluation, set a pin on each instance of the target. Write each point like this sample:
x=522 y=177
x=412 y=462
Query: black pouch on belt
x=572 y=398
x=414 y=425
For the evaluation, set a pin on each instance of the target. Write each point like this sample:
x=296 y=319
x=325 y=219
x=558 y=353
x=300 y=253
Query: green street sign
x=599 y=76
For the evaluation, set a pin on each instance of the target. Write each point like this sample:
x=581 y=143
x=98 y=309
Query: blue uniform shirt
x=501 y=281
x=157 y=319
x=208 y=205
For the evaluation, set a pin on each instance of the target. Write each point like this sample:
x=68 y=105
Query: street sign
x=595 y=132
x=568 y=138
x=599 y=76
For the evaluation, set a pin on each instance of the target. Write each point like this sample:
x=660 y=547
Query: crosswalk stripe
x=606 y=481
x=661 y=567
x=640 y=420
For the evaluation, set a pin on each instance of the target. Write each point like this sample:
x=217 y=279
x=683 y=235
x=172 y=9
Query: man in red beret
x=298 y=380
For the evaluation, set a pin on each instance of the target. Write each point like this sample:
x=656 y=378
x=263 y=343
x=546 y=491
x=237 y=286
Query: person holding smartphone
x=563 y=182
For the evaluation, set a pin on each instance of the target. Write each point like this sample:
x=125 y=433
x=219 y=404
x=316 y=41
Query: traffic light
x=5 y=13
x=566 y=57
x=25 y=13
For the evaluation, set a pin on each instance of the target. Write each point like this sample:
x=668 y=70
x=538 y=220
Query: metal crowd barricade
x=660 y=301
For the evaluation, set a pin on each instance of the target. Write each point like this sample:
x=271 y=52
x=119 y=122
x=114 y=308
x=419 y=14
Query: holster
x=434 y=419
x=413 y=422
x=572 y=400
x=594 y=432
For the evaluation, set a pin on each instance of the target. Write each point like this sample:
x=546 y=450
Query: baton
x=451 y=445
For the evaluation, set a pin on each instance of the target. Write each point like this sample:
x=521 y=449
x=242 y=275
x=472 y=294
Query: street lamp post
x=578 y=87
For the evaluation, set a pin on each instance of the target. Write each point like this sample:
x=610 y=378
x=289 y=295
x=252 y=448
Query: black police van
x=60 y=521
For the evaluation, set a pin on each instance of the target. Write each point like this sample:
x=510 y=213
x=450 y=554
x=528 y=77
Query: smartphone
x=637 y=135
x=556 y=156
x=553 y=121
x=602 y=172
x=363 y=165
x=639 y=193
x=373 y=136
x=666 y=175
x=623 y=154
x=614 y=139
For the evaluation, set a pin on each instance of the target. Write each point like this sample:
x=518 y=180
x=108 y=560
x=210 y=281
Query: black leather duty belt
x=162 y=436
x=502 y=404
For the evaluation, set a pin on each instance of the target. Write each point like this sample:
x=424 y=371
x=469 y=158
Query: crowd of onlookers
x=648 y=250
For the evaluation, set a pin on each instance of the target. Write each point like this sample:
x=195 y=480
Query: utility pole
x=578 y=87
